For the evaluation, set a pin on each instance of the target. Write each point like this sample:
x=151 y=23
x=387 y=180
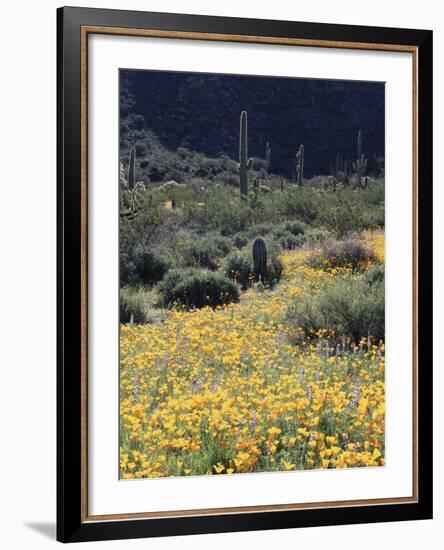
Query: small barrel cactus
x=260 y=259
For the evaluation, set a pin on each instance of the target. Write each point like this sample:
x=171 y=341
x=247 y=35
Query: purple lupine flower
x=355 y=394
x=253 y=422
x=239 y=426
x=327 y=349
x=309 y=393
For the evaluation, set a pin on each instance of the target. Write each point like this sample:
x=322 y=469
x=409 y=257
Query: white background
x=108 y=495
x=27 y=118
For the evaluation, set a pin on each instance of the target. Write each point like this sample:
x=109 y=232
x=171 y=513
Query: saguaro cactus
x=300 y=165
x=267 y=156
x=131 y=187
x=346 y=172
x=132 y=168
x=360 y=164
x=260 y=259
x=339 y=167
x=245 y=163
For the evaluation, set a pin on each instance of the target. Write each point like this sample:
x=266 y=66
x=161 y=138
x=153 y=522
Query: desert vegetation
x=251 y=309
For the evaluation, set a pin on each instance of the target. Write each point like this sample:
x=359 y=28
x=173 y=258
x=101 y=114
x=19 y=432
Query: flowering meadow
x=237 y=388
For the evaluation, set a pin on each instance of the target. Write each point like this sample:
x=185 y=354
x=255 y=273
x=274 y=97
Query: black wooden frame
x=70 y=527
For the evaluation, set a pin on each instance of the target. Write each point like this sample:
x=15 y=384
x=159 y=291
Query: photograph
x=251 y=274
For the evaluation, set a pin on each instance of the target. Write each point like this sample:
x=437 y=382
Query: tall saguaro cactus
x=260 y=259
x=131 y=187
x=300 y=165
x=132 y=168
x=245 y=163
x=267 y=156
x=360 y=164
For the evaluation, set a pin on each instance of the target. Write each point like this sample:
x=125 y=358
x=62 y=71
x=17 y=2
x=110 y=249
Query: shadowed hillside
x=164 y=112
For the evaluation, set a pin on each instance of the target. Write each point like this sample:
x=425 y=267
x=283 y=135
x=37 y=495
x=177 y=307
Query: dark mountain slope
x=201 y=112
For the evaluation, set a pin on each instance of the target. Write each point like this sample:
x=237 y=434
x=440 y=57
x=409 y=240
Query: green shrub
x=352 y=210
x=131 y=304
x=239 y=268
x=303 y=204
x=295 y=227
x=142 y=265
x=259 y=230
x=350 y=252
x=127 y=269
x=241 y=239
x=315 y=235
x=194 y=288
x=221 y=245
x=200 y=254
x=151 y=266
x=274 y=272
x=288 y=241
x=290 y=235
x=226 y=213
x=375 y=274
x=353 y=307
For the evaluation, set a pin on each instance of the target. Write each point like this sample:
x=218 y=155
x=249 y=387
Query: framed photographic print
x=245 y=269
